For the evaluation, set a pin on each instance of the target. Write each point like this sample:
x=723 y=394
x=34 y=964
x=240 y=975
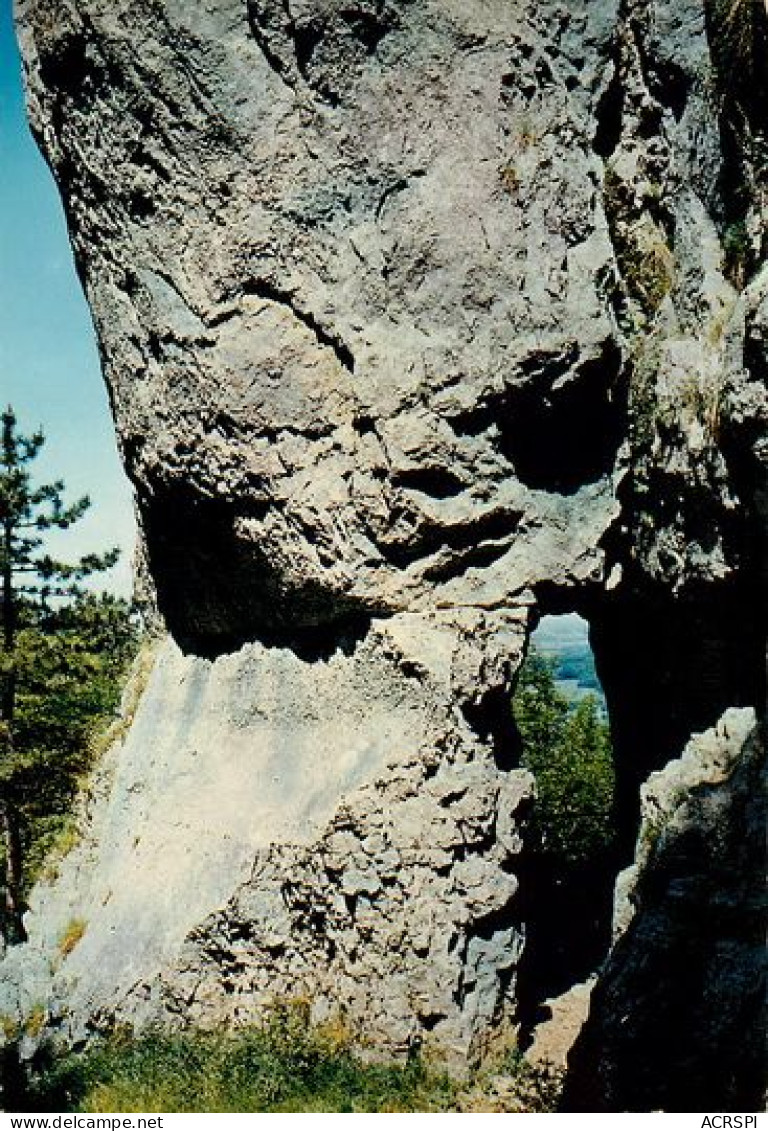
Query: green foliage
x=70 y=669
x=736 y=251
x=284 y=1065
x=567 y=748
x=70 y=666
x=577 y=665
x=27 y=513
x=539 y=1084
x=63 y=654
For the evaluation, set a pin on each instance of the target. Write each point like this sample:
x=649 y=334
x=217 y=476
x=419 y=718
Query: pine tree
x=31 y=580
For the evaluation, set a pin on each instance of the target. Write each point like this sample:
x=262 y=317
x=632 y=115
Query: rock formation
x=690 y=954
x=278 y=827
x=419 y=318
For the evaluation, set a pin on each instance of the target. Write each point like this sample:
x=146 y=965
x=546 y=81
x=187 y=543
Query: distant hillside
x=578 y=665
x=565 y=640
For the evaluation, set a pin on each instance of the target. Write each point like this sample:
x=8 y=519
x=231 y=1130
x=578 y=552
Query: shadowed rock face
x=690 y=954
x=419 y=318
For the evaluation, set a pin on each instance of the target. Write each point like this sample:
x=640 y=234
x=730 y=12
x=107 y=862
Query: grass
x=9 y=1027
x=643 y=255
x=103 y=738
x=697 y=396
x=35 y=1020
x=510 y=179
x=286 y=1065
x=71 y=936
x=64 y=837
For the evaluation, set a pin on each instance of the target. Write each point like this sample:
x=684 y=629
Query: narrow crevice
x=478 y=419
x=665 y=81
x=367 y=28
x=260 y=288
x=567 y=876
x=306 y=40
x=495 y=526
x=610 y=115
x=262 y=40
x=476 y=557
x=437 y=482
x=493 y=721
x=320 y=49
x=671 y=85
x=398 y=186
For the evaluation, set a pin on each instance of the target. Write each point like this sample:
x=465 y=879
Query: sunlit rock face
x=354 y=283
x=419 y=318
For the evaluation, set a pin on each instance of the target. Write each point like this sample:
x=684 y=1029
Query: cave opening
x=563 y=737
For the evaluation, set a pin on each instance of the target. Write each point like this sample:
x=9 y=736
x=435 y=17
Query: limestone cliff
x=690 y=953
x=420 y=318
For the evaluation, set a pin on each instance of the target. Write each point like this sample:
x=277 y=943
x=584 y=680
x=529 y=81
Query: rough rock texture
x=683 y=626
x=690 y=951
x=562 y=1021
x=351 y=274
x=419 y=318
x=230 y=859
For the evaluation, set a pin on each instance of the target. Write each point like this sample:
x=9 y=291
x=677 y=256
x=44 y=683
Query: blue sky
x=49 y=364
